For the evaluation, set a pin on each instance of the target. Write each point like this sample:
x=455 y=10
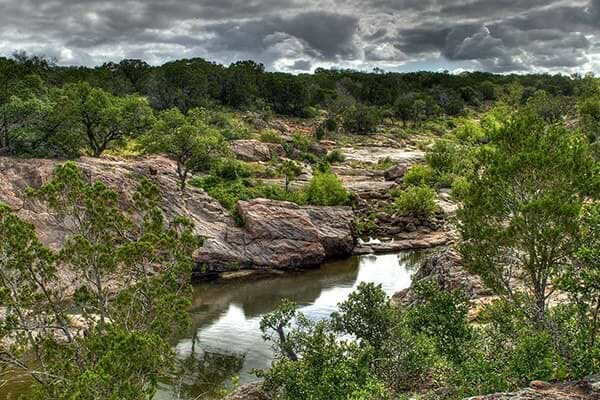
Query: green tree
x=290 y=171
x=35 y=126
x=104 y=119
x=366 y=314
x=519 y=220
x=325 y=367
x=187 y=139
x=130 y=285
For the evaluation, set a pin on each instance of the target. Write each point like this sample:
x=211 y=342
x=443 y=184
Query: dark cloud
x=299 y=35
x=301 y=65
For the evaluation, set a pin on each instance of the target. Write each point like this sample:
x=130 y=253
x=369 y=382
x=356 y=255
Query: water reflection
x=225 y=335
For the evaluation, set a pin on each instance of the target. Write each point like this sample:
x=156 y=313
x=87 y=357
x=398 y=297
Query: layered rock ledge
x=274 y=234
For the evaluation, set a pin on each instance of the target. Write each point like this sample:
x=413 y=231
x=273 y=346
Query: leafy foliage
x=520 y=214
x=417 y=201
x=325 y=189
x=117 y=346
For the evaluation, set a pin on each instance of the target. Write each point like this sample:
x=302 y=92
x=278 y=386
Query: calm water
x=225 y=339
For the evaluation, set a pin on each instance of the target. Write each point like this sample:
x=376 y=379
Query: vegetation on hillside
x=519 y=153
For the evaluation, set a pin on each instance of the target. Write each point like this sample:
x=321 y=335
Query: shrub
x=335 y=156
x=325 y=189
x=361 y=119
x=301 y=142
x=417 y=201
x=270 y=136
x=488 y=90
x=418 y=175
x=228 y=193
x=320 y=132
x=469 y=132
x=330 y=124
x=231 y=169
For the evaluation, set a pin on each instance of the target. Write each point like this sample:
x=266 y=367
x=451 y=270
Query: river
x=225 y=341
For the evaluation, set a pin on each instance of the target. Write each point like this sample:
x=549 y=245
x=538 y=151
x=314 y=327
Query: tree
x=187 y=139
x=581 y=281
x=361 y=118
x=311 y=362
x=130 y=285
x=35 y=126
x=418 y=111
x=290 y=170
x=104 y=119
x=519 y=220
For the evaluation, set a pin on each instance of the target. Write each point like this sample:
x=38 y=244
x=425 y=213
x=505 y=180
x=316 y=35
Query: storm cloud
x=300 y=35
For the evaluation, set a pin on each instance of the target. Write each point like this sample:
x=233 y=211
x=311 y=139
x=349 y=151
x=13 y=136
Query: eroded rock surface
x=251 y=391
x=585 y=389
x=275 y=234
x=446 y=269
x=254 y=150
x=281 y=235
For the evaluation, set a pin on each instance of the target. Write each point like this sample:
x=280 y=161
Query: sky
x=300 y=35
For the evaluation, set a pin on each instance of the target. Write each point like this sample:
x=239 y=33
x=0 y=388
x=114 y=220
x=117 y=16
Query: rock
x=254 y=150
x=577 y=390
x=375 y=154
x=410 y=227
x=281 y=235
x=318 y=149
x=251 y=391
x=446 y=270
x=405 y=241
x=395 y=172
x=539 y=385
x=279 y=126
x=276 y=234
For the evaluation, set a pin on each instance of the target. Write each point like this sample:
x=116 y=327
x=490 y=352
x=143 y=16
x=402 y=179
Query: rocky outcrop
x=280 y=235
x=274 y=235
x=396 y=172
x=254 y=150
x=404 y=241
x=585 y=389
x=251 y=391
x=445 y=268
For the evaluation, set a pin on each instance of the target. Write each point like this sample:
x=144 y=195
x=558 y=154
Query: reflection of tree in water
x=204 y=374
x=413 y=260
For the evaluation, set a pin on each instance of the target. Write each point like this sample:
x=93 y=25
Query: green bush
x=361 y=119
x=270 y=136
x=417 y=201
x=335 y=156
x=418 y=175
x=301 y=142
x=469 y=132
x=231 y=169
x=325 y=189
x=229 y=192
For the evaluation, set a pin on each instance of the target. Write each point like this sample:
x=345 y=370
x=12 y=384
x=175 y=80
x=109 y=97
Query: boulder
x=396 y=172
x=585 y=389
x=279 y=234
x=250 y=391
x=445 y=268
x=254 y=150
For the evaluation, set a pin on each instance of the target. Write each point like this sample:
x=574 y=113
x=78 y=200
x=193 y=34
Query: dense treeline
x=47 y=110
x=190 y=83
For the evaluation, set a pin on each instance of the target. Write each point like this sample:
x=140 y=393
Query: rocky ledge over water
x=273 y=234
x=265 y=234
